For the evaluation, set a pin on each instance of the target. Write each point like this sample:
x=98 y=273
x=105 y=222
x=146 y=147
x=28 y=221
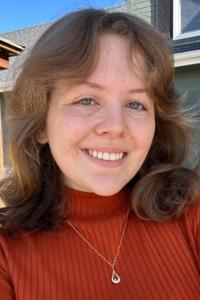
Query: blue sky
x=17 y=14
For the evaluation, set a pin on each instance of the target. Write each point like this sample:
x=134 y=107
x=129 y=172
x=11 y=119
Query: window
x=186 y=18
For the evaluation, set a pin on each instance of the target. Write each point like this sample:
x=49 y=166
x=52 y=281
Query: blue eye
x=86 y=101
x=136 y=106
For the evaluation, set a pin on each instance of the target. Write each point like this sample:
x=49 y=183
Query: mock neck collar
x=89 y=205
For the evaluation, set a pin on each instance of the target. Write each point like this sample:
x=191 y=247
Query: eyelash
x=81 y=101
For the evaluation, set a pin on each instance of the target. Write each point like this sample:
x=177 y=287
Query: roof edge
x=11 y=43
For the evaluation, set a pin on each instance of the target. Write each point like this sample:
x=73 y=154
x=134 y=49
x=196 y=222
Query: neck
x=89 y=205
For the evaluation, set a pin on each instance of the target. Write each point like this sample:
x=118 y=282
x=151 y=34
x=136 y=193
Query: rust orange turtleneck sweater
x=156 y=261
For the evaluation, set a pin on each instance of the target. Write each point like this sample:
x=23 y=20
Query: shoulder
x=23 y=242
x=4 y=255
x=17 y=243
x=8 y=244
x=16 y=246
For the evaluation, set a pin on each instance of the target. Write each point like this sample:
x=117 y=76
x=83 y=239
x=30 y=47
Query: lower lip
x=105 y=163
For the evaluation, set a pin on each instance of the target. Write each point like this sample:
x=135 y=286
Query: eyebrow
x=101 y=87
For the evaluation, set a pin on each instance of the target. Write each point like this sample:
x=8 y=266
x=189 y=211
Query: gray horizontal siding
x=143 y=9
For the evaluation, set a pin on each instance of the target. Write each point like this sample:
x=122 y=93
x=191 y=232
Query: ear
x=42 y=137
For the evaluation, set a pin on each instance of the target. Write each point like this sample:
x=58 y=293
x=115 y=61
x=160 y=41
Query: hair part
x=69 y=50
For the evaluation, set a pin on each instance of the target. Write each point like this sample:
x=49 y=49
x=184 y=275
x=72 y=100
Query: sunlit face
x=100 y=132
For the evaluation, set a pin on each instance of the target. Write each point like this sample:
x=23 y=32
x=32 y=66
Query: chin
x=106 y=190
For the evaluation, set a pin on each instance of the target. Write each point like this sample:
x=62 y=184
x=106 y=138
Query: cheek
x=142 y=133
x=77 y=128
x=66 y=131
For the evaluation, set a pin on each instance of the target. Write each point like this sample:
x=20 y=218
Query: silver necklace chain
x=115 y=277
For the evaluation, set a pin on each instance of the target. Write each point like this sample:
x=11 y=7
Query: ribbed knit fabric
x=156 y=261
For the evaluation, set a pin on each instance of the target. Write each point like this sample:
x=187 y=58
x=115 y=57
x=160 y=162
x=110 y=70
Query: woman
x=98 y=205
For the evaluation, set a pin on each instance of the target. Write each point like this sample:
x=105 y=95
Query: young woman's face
x=100 y=132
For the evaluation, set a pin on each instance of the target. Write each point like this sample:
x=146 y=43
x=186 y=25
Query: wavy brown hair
x=69 y=49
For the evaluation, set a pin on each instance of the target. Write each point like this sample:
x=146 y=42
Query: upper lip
x=107 y=149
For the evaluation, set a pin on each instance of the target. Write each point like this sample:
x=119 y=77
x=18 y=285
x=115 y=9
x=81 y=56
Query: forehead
x=119 y=54
x=116 y=61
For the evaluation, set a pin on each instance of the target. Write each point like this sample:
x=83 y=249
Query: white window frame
x=187 y=58
x=177 y=34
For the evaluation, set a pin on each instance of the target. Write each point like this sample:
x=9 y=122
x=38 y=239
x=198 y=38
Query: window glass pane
x=190 y=15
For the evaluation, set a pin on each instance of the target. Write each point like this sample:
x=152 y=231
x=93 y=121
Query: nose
x=112 y=122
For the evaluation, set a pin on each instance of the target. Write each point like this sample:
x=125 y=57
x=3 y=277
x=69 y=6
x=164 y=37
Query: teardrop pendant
x=115 y=277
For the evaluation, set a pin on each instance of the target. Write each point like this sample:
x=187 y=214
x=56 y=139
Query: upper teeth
x=105 y=155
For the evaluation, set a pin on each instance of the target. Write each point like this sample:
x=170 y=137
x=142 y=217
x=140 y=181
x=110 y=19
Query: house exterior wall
x=144 y=9
x=156 y=12
x=187 y=81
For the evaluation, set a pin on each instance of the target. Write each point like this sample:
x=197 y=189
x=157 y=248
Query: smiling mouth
x=107 y=156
